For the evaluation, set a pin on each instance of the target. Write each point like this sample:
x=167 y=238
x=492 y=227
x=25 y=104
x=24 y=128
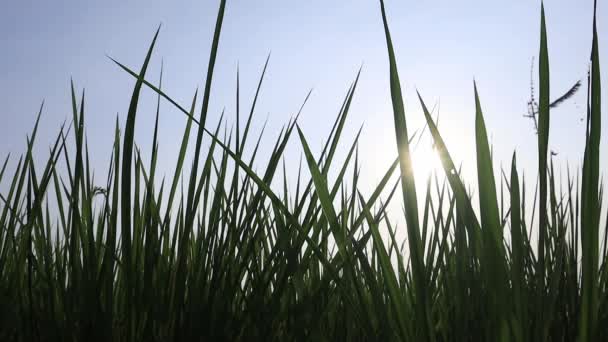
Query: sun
x=425 y=161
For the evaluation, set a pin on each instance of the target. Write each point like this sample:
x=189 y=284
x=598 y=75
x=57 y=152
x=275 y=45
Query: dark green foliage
x=226 y=254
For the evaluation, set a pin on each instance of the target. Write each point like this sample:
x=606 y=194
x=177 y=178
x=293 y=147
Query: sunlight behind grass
x=222 y=250
x=426 y=161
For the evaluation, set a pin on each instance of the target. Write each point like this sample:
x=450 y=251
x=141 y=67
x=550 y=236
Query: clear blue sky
x=441 y=46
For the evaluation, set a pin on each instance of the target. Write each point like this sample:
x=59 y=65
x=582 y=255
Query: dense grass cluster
x=219 y=254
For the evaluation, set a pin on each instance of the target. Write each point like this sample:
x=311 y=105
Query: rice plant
x=220 y=252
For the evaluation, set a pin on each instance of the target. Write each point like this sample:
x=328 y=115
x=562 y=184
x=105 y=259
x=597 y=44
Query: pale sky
x=441 y=47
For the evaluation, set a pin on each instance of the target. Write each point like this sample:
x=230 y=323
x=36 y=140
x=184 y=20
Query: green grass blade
x=543 y=141
x=493 y=257
x=591 y=210
x=408 y=187
x=125 y=203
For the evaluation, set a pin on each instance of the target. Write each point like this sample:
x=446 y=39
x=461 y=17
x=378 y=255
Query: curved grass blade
x=127 y=159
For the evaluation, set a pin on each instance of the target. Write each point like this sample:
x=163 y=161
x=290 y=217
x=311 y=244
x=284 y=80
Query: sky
x=441 y=48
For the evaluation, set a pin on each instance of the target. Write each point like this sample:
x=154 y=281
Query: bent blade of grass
x=126 y=187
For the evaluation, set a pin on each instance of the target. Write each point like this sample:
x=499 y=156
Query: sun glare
x=425 y=161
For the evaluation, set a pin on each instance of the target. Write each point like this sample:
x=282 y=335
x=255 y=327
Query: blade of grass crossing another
x=408 y=187
x=127 y=157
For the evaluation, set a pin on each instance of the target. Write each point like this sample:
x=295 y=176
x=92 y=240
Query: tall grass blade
x=408 y=187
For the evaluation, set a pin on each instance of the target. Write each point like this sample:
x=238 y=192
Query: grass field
x=214 y=252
